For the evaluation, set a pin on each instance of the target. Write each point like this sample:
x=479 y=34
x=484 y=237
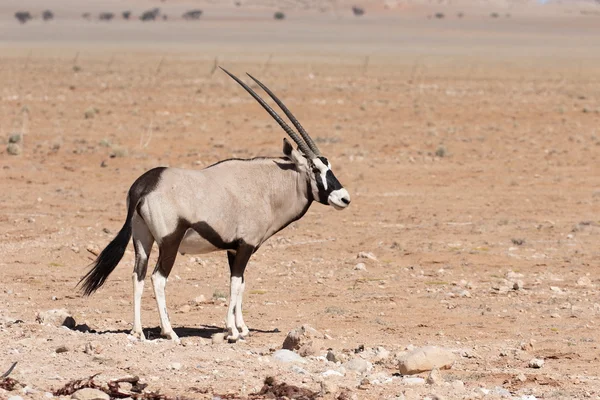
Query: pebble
x=331 y=372
x=381 y=354
x=518 y=285
x=218 y=338
x=59 y=317
x=328 y=387
x=413 y=380
x=521 y=377
x=360 y=267
x=200 y=299
x=358 y=365
x=556 y=289
x=185 y=309
x=15 y=398
x=584 y=281
x=333 y=357
x=425 y=359
x=536 y=363
x=287 y=356
x=90 y=394
x=458 y=386
x=302 y=336
x=175 y=366
x=299 y=370
x=13 y=149
x=364 y=254
x=435 y=378
x=62 y=349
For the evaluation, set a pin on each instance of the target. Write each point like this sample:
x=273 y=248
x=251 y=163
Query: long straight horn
x=305 y=149
x=289 y=114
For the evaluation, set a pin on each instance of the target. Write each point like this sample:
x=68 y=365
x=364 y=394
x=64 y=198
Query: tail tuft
x=107 y=261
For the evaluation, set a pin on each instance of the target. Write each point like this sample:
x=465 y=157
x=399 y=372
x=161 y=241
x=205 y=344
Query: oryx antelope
x=234 y=205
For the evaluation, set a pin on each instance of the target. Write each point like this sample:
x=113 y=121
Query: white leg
x=138 y=289
x=159 y=282
x=239 y=318
x=233 y=333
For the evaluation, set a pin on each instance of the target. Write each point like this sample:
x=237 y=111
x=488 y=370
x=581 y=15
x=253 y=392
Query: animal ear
x=293 y=154
x=287 y=148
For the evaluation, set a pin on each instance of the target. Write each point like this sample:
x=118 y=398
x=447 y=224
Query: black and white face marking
x=329 y=190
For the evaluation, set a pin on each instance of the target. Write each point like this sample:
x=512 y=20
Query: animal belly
x=193 y=243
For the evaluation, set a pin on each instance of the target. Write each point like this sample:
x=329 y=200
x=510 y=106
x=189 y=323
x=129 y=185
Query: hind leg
x=142 y=243
x=166 y=258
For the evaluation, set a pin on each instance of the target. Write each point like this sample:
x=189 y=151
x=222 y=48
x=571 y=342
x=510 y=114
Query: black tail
x=108 y=259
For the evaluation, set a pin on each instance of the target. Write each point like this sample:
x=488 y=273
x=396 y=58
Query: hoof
x=171 y=336
x=138 y=335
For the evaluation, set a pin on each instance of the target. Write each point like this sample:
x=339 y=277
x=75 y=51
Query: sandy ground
x=470 y=148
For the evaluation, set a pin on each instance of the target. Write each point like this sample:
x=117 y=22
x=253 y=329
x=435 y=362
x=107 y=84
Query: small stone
x=92 y=348
x=218 y=338
x=527 y=346
x=331 y=372
x=328 y=387
x=358 y=365
x=15 y=398
x=360 y=267
x=536 y=363
x=425 y=359
x=75 y=249
x=584 y=281
x=175 y=366
x=59 y=317
x=556 y=289
x=61 y=349
x=518 y=285
x=92 y=248
x=465 y=293
x=413 y=380
x=15 y=138
x=299 y=370
x=90 y=394
x=381 y=354
x=331 y=356
x=435 y=378
x=200 y=299
x=458 y=386
x=521 y=377
x=298 y=337
x=364 y=254
x=13 y=149
x=286 y=356
x=184 y=309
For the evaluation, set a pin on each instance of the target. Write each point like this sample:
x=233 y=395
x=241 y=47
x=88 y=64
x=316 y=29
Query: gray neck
x=290 y=196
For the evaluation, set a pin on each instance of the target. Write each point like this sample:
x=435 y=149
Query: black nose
x=345 y=200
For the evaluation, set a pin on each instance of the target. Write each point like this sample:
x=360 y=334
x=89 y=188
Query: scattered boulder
x=23 y=16
x=279 y=15
x=286 y=356
x=192 y=15
x=126 y=14
x=425 y=359
x=367 y=255
x=90 y=394
x=59 y=317
x=61 y=349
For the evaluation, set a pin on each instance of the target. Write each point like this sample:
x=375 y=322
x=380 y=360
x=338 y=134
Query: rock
x=556 y=289
x=92 y=348
x=15 y=138
x=499 y=391
x=13 y=149
x=218 y=338
x=360 y=267
x=333 y=357
x=299 y=370
x=412 y=380
x=458 y=386
x=521 y=377
x=536 y=363
x=331 y=372
x=302 y=337
x=584 y=281
x=435 y=378
x=518 y=285
x=90 y=394
x=184 y=309
x=286 y=356
x=175 y=366
x=358 y=365
x=425 y=359
x=60 y=317
x=465 y=293
x=15 y=398
x=62 y=349
x=200 y=300
x=308 y=349
x=381 y=354
x=364 y=254
x=328 y=387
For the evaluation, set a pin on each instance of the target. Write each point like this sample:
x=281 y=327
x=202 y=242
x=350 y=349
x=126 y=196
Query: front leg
x=237 y=266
